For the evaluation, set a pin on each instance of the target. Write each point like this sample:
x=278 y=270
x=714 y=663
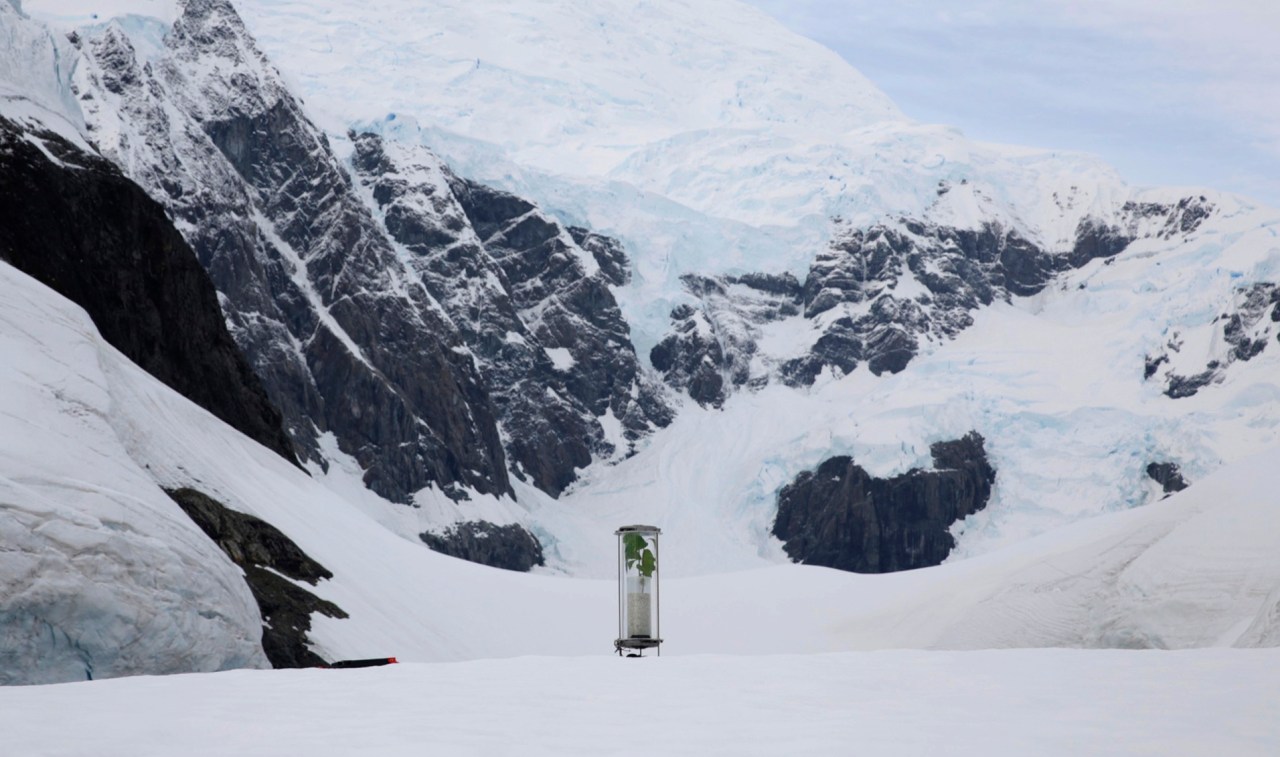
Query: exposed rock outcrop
x=879 y=295
x=711 y=348
x=1239 y=334
x=76 y=224
x=1168 y=475
x=510 y=547
x=839 y=516
x=264 y=553
x=346 y=339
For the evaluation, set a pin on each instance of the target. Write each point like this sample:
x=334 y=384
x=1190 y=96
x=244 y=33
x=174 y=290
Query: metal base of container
x=637 y=645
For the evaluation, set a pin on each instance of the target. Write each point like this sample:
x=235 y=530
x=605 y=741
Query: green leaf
x=647 y=564
x=633 y=545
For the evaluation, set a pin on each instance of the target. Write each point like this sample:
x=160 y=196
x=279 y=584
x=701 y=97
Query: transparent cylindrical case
x=638 y=610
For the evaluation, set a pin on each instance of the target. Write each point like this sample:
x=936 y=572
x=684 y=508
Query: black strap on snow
x=370 y=663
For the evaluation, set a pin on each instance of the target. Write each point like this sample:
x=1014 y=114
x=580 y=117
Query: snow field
x=1043 y=702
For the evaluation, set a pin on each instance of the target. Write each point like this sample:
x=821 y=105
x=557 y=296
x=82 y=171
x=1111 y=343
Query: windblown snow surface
x=1043 y=702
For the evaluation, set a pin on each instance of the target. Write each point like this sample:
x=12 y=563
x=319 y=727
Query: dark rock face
x=260 y=548
x=608 y=253
x=840 y=517
x=1170 y=219
x=711 y=348
x=566 y=306
x=546 y=333
x=1168 y=476
x=863 y=273
x=1245 y=331
x=893 y=288
x=509 y=547
x=346 y=340
x=81 y=228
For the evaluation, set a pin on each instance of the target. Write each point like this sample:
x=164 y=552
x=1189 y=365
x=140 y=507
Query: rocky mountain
x=78 y=226
x=456 y=338
x=878 y=295
x=436 y=331
x=346 y=342
x=532 y=303
x=499 y=299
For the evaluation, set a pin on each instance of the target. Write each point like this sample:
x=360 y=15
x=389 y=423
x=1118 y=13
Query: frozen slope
x=596 y=80
x=1043 y=702
x=1195 y=570
x=100 y=573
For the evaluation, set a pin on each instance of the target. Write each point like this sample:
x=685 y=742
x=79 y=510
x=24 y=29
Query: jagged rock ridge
x=552 y=347
x=344 y=340
x=877 y=295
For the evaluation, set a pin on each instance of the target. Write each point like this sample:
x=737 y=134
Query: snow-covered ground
x=1034 y=702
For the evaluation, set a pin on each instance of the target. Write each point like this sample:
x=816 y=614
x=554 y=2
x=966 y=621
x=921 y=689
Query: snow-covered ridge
x=597 y=80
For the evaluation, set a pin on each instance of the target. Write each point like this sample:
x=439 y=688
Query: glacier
x=101 y=574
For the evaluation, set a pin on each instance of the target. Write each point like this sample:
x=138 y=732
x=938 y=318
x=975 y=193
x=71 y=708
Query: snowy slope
x=1054 y=383
x=714 y=106
x=1197 y=569
x=1043 y=702
x=101 y=574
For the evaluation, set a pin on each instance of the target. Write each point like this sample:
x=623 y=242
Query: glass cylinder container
x=638 y=612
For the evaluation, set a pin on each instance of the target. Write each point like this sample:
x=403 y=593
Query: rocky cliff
x=73 y=222
x=878 y=295
x=347 y=343
x=839 y=516
x=531 y=301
